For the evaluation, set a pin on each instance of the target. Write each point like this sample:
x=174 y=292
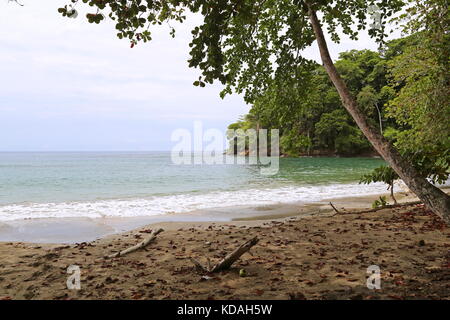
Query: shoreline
x=73 y=230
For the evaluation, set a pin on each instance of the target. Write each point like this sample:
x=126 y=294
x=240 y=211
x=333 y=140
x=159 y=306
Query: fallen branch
x=336 y=210
x=383 y=207
x=229 y=259
x=140 y=245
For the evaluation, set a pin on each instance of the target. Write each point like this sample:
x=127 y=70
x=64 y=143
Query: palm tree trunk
x=433 y=197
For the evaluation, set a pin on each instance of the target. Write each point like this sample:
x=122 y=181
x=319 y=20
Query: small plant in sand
x=379 y=203
x=382 y=174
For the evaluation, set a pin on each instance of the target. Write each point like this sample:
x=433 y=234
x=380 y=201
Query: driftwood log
x=140 y=245
x=229 y=259
x=399 y=205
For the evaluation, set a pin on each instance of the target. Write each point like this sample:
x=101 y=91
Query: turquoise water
x=148 y=183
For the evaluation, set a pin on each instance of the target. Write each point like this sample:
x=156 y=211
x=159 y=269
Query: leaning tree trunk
x=433 y=197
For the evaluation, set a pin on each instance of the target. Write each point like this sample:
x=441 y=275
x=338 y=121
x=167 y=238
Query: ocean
x=138 y=184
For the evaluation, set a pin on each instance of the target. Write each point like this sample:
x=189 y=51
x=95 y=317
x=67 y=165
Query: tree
x=249 y=45
x=369 y=102
x=419 y=74
x=334 y=130
x=292 y=142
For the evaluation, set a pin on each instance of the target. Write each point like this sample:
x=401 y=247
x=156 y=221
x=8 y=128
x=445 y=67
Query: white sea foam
x=185 y=202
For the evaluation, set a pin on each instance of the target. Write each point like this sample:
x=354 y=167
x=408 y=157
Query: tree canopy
x=245 y=44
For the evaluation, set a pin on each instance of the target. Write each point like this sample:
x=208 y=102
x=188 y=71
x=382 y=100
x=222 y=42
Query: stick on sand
x=226 y=262
x=140 y=245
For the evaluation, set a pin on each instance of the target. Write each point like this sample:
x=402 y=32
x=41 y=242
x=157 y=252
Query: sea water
x=137 y=184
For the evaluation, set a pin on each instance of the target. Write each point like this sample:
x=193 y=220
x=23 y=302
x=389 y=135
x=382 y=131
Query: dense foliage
x=419 y=76
x=312 y=120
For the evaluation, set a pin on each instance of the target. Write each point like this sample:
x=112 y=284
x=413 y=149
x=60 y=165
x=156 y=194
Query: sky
x=67 y=85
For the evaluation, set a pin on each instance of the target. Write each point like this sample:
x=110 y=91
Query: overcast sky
x=69 y=85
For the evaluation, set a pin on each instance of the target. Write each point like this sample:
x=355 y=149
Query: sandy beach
x=179 y=152
x=308 y=254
